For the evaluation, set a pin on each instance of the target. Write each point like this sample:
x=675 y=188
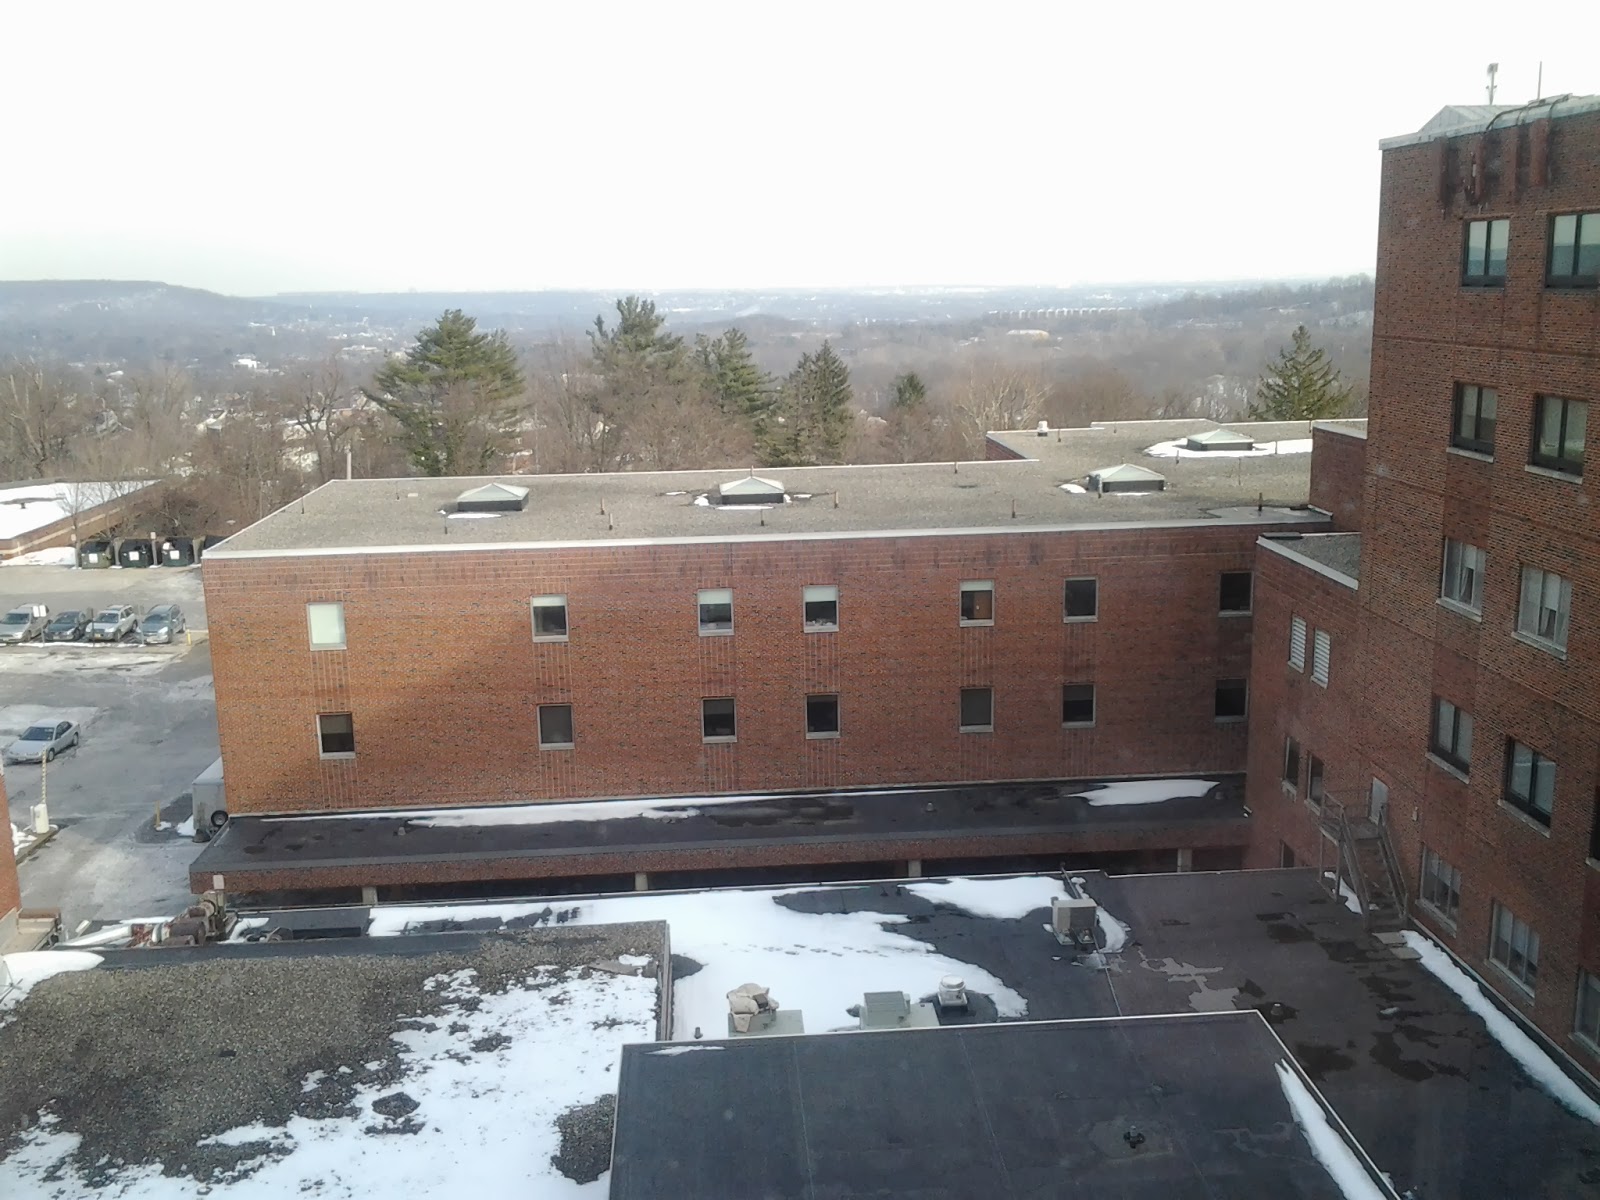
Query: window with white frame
x=1514 y=947
x=1451 y=737
x=1291 y=763
x=822 y=716
x=326 y=625
x=336 y=735
x=1441 y=886
x=716 y=719
x=555 y=726
x=1321 y=656
x=1558 y=434
x=977 y=710
x=977 y=602
x=716 y=611
x=1297 y=643
x=1081 y=600
x=1077 y=704
x=1586 y=1023
x=820 y=608
x=1545 y=609
x=1530 y=781
x=549 y=618
x=1463 y=575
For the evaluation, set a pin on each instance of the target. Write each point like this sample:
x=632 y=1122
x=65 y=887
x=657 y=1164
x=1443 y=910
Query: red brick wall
x=1523 y=340
x=1286 y=703
x=443 y=677
x=1337 y=463
x=10 y=890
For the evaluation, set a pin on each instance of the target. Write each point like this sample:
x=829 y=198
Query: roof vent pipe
x=1044 y=429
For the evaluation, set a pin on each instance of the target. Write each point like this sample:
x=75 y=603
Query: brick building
x=1077 y=610
x=1457 y=739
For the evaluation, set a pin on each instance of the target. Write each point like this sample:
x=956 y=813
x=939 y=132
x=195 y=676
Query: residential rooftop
x=1035 y=491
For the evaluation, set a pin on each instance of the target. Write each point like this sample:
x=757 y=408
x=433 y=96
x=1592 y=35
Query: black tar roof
x=1018 y=1110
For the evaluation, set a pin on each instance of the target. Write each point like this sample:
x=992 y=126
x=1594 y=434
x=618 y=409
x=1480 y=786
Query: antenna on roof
x=836 y=497
x=1538 y=88
x=1494 y=69
x=602 y=506
x=956 y=467
x=1013 y=508
x=611 y=524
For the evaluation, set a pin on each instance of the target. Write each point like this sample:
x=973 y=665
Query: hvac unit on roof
x=1073 y=920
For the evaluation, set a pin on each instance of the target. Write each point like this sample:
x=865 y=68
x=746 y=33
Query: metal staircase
x=1368 y=862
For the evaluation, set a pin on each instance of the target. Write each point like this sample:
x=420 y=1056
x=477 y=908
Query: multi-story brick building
x=1079 y=610
x=1457 y=739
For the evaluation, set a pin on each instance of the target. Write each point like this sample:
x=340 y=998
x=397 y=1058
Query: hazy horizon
x=255 y=150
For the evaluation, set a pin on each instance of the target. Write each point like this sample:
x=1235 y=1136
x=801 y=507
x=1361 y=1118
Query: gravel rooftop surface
x=155 y=1050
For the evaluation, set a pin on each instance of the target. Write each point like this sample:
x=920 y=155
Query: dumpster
x=177 y=552
x=97 y=554
x=136 y=552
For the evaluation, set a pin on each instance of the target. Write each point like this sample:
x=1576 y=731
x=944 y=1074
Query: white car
x=42 y=741
x=113 y=624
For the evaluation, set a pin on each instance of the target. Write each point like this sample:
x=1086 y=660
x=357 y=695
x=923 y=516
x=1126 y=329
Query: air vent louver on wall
x=493 y=497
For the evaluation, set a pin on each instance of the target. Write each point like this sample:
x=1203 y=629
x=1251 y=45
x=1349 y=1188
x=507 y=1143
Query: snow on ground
x=33 y=506
x=1530 y=1057
x=55 y=658
x=186 y=827
x=484 y=1115
x=1332 y=1151
x=59 y=556
x=34 y=966
x=1351 y=900
x=1146 y=791
x=820 y=963
x=1180 y=449
x=21 y=839
x=1001 y=899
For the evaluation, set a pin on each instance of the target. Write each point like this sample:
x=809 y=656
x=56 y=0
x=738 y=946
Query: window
x=1463 y=575
x=1291 y=763
x=977 y=602
x=1451 y=739
x=822 y=716
x=716 y=611
x=1081 y=601
x=1574 y=251
x=1530 y=781
x=1297 y=643
x=1484 y=257
x=1314 y=781
x=326 y=623
x=1473 y=428
x=1558 y=434
x=1235 y=592
x=1545 y=609
x=549 y=618
x=1321 y=656
x=336 y=735
x=820 y=609
x=1231 y=699
x=1441 y=886
x=1515 y=947
x=977 y=710
x=716 y=719
x=1587 y=1022
x=555 y=726
x=1077 y=704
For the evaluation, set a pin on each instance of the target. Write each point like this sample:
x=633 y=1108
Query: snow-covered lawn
x=820 y=963
x=483 y=1121
x=58 y=556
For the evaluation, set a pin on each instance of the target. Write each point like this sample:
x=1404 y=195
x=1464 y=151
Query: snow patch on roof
x=1146 y=791
x=30 y=968
x=1327 y=1146
x=1001 y=899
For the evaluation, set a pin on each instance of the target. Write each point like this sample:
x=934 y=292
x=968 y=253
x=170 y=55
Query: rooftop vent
x=493 y=498
x=1219 y=439
x=1125 y=477
x=1043 y=429
x=751 y=490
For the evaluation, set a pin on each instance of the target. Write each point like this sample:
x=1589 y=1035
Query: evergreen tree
x=909 y=392
x=815 y=414
x=739 y=387
x=637 y=348
x=454 y=395
x=1301 y=386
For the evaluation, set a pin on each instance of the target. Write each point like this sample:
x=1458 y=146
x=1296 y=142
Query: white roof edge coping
x=1550 y=106
x=1286 y=548
x=1344 y=427
x=1279 y=516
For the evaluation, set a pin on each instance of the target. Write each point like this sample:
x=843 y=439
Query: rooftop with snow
x=27 y=507
x=1203 y=480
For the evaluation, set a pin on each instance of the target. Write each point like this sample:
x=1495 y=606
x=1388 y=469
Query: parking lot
x=148 y=721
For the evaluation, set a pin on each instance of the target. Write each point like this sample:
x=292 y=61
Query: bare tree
x=327 y=411
x=41 y=406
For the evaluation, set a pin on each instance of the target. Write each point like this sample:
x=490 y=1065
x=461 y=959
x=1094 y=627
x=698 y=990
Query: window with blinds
x=1321 y=653
x=1297 y=643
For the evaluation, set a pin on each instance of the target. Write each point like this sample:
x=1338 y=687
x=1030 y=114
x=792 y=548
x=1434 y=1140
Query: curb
x=28 y=851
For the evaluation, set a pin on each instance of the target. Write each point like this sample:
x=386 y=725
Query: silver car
x=113 y=624
x=161 y=624
x=42 y=741
x=25 y=623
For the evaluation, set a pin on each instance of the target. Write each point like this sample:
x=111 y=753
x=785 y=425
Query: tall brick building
x=1448 y=756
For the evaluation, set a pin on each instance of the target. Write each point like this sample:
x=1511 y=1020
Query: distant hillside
x=52 y=301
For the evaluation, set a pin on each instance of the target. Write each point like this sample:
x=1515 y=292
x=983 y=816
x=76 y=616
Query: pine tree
x=909 y=392
x=637 y=347
x=739 y=387
x=1301 y=386
x=815 y=414
x=454 y=395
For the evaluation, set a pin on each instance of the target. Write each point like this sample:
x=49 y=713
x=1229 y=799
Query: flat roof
x=1336 y=555
x=1124 y=1108
x=621 y=508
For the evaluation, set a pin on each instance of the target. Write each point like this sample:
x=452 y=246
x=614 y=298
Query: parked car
x=163 y=623
x=113 y=624
x=41 y=742
x=25 y=623
x=68 y=626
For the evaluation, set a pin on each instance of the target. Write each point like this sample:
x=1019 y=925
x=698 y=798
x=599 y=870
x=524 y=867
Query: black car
x=68 y=626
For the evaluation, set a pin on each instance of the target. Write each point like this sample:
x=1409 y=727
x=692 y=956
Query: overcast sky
x=262 y=147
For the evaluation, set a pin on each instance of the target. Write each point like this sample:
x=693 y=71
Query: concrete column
x=1185 y=859
x=913 y=868
x=641 y=881
x=369 y=895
